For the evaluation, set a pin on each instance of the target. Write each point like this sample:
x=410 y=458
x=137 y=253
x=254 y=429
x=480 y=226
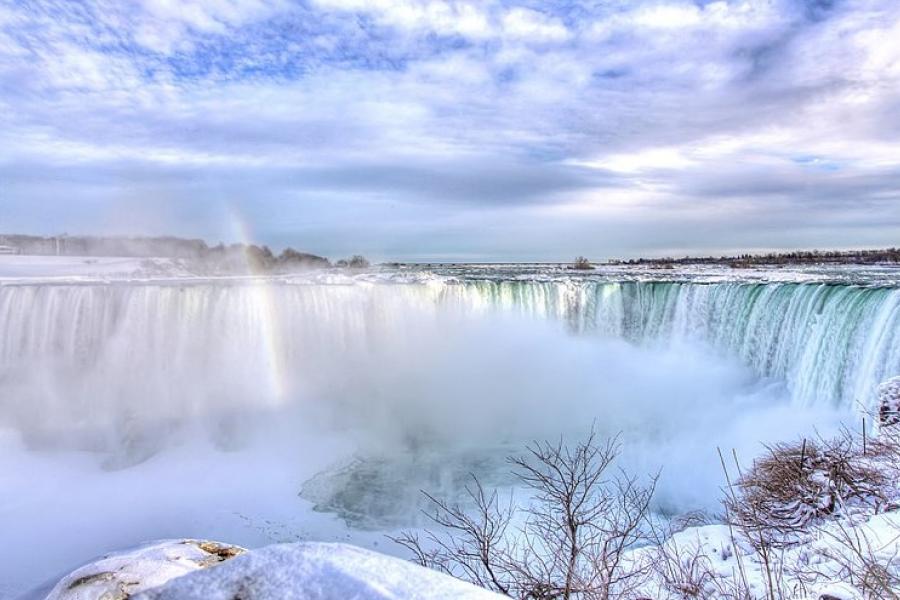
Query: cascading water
x=833 y=344
x=97 y=359
x=74 y=355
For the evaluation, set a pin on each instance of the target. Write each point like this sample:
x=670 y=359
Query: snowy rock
x=889 y=401
x=315 y=571
x=839 y=591
x=122 y=574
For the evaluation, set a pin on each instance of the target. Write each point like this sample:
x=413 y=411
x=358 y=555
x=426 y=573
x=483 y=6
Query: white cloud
x=165 y=25
x=668 y=16
x=644 y=110
x=446 y=18
x=532 y=26
x=651 y=159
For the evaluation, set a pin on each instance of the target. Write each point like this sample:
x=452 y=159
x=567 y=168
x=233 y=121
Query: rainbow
x=263 y=299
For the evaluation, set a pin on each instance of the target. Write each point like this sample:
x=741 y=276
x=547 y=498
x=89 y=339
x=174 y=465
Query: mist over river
x=261 y=409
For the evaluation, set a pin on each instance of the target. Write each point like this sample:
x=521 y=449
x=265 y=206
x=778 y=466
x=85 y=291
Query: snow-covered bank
x=707 y=562
x=192 y=569
x=816 y=520
x=837 y=561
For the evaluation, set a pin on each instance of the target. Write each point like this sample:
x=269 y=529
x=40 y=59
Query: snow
x=714 y=555
x=889 y=401
x=316 y=571
x=27 y=269
x=18 y=268
x=177 y=569
x=825 y=563
x=85 y=269
x=147 y=566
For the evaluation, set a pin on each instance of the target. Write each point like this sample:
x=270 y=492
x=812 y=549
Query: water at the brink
x=832 y=343
x=72 y=356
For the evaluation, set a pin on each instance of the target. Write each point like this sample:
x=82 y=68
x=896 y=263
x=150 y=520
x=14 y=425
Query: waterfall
x=135 y=351
x=103 y=357
x=832 y=344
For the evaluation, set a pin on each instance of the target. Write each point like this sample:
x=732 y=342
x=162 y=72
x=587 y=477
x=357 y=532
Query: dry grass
x=794 y=484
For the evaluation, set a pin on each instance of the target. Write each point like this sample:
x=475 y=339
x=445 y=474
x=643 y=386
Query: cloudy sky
x=445 y=129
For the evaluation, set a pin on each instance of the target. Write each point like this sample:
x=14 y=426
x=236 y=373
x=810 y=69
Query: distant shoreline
x=810 y=257
x=194 y=248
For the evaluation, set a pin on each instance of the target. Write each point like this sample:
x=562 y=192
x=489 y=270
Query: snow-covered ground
x=835 y=561
x=312 y=571
x=717 y=561
x=185 y=569
x=31 y=270
x=34 y=269
x=123 y=573
x=61 y=269
x=63 y=507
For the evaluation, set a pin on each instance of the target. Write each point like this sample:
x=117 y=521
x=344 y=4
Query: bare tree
x=582 y=264
x=569 y=539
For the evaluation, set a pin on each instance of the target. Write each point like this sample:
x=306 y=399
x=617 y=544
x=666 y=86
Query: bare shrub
x=857 y=557
x=795 y=483
x=354 y=262
x=747 y=520
x=785 y=497
x=568 y=541
x=684 y=571
x=681 y=569
x=582 y=264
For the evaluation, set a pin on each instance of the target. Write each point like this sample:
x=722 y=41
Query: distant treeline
x=259 y=257
x=889 y=255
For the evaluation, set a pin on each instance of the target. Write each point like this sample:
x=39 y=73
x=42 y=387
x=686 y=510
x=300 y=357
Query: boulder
x=188 y=569
x=120 y=575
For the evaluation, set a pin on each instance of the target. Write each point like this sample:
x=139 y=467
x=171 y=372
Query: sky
x=455 y=130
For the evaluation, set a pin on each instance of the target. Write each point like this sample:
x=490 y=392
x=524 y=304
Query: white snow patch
x=124 y=573
x=315 y=571
x=827 y=562
x=20 y=268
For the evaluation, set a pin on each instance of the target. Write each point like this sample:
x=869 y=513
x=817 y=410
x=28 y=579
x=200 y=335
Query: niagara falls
x=449 y=300
x=272 y=408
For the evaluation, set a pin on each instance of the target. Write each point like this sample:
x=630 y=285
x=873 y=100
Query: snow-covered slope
x=121 y=574
x=835 y=560
x=316 y=571
x=177 y=570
